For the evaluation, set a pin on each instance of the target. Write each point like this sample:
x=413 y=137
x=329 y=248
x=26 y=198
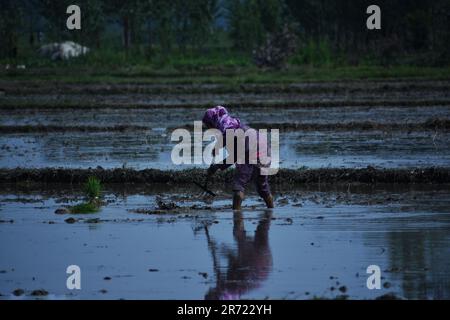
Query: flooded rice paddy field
x=152 y=149
x=170 y=100
x=175 y=117
x=141 y=138
x=192 y=94
x=317 y=242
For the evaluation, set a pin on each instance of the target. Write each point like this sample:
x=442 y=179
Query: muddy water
x=266 y=96
x=152 y=149
x=318 y=241
x=313 y=243
x=177 y=117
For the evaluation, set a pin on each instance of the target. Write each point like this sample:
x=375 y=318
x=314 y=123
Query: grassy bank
x=235 y=75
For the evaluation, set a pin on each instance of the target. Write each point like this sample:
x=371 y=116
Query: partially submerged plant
x=85 y=207
x=92 y=188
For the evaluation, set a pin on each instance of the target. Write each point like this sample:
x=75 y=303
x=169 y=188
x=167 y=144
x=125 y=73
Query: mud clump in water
x=18 y=292
x=39 y=293
x=62 y=211
x=343 y=289
x=70 y=220
x=165 y=205
x=389 y=296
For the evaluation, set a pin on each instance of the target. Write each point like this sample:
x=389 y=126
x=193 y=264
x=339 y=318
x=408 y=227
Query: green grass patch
x=314 y=61
x=84 y=208
x=92 y=188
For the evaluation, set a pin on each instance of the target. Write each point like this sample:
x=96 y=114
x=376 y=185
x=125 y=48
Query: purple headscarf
x=219 y=118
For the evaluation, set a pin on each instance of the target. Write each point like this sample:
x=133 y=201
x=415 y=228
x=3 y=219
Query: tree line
x=409 y=27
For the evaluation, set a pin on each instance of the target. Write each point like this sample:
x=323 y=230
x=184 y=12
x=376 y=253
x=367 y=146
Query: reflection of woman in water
x=248 y=264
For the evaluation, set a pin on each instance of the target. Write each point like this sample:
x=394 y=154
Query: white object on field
x=63 y=50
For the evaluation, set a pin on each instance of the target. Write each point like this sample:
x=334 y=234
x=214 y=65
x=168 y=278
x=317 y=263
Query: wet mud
x=348 y=87
x=431 y=124
x=363 y=93
x=183 y=177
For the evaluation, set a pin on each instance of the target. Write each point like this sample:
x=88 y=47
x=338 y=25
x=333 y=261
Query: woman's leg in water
x=243 y=175
x=262 y=187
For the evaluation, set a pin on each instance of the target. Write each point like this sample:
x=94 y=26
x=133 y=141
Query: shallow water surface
x=317 y=242
x=152 y=149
